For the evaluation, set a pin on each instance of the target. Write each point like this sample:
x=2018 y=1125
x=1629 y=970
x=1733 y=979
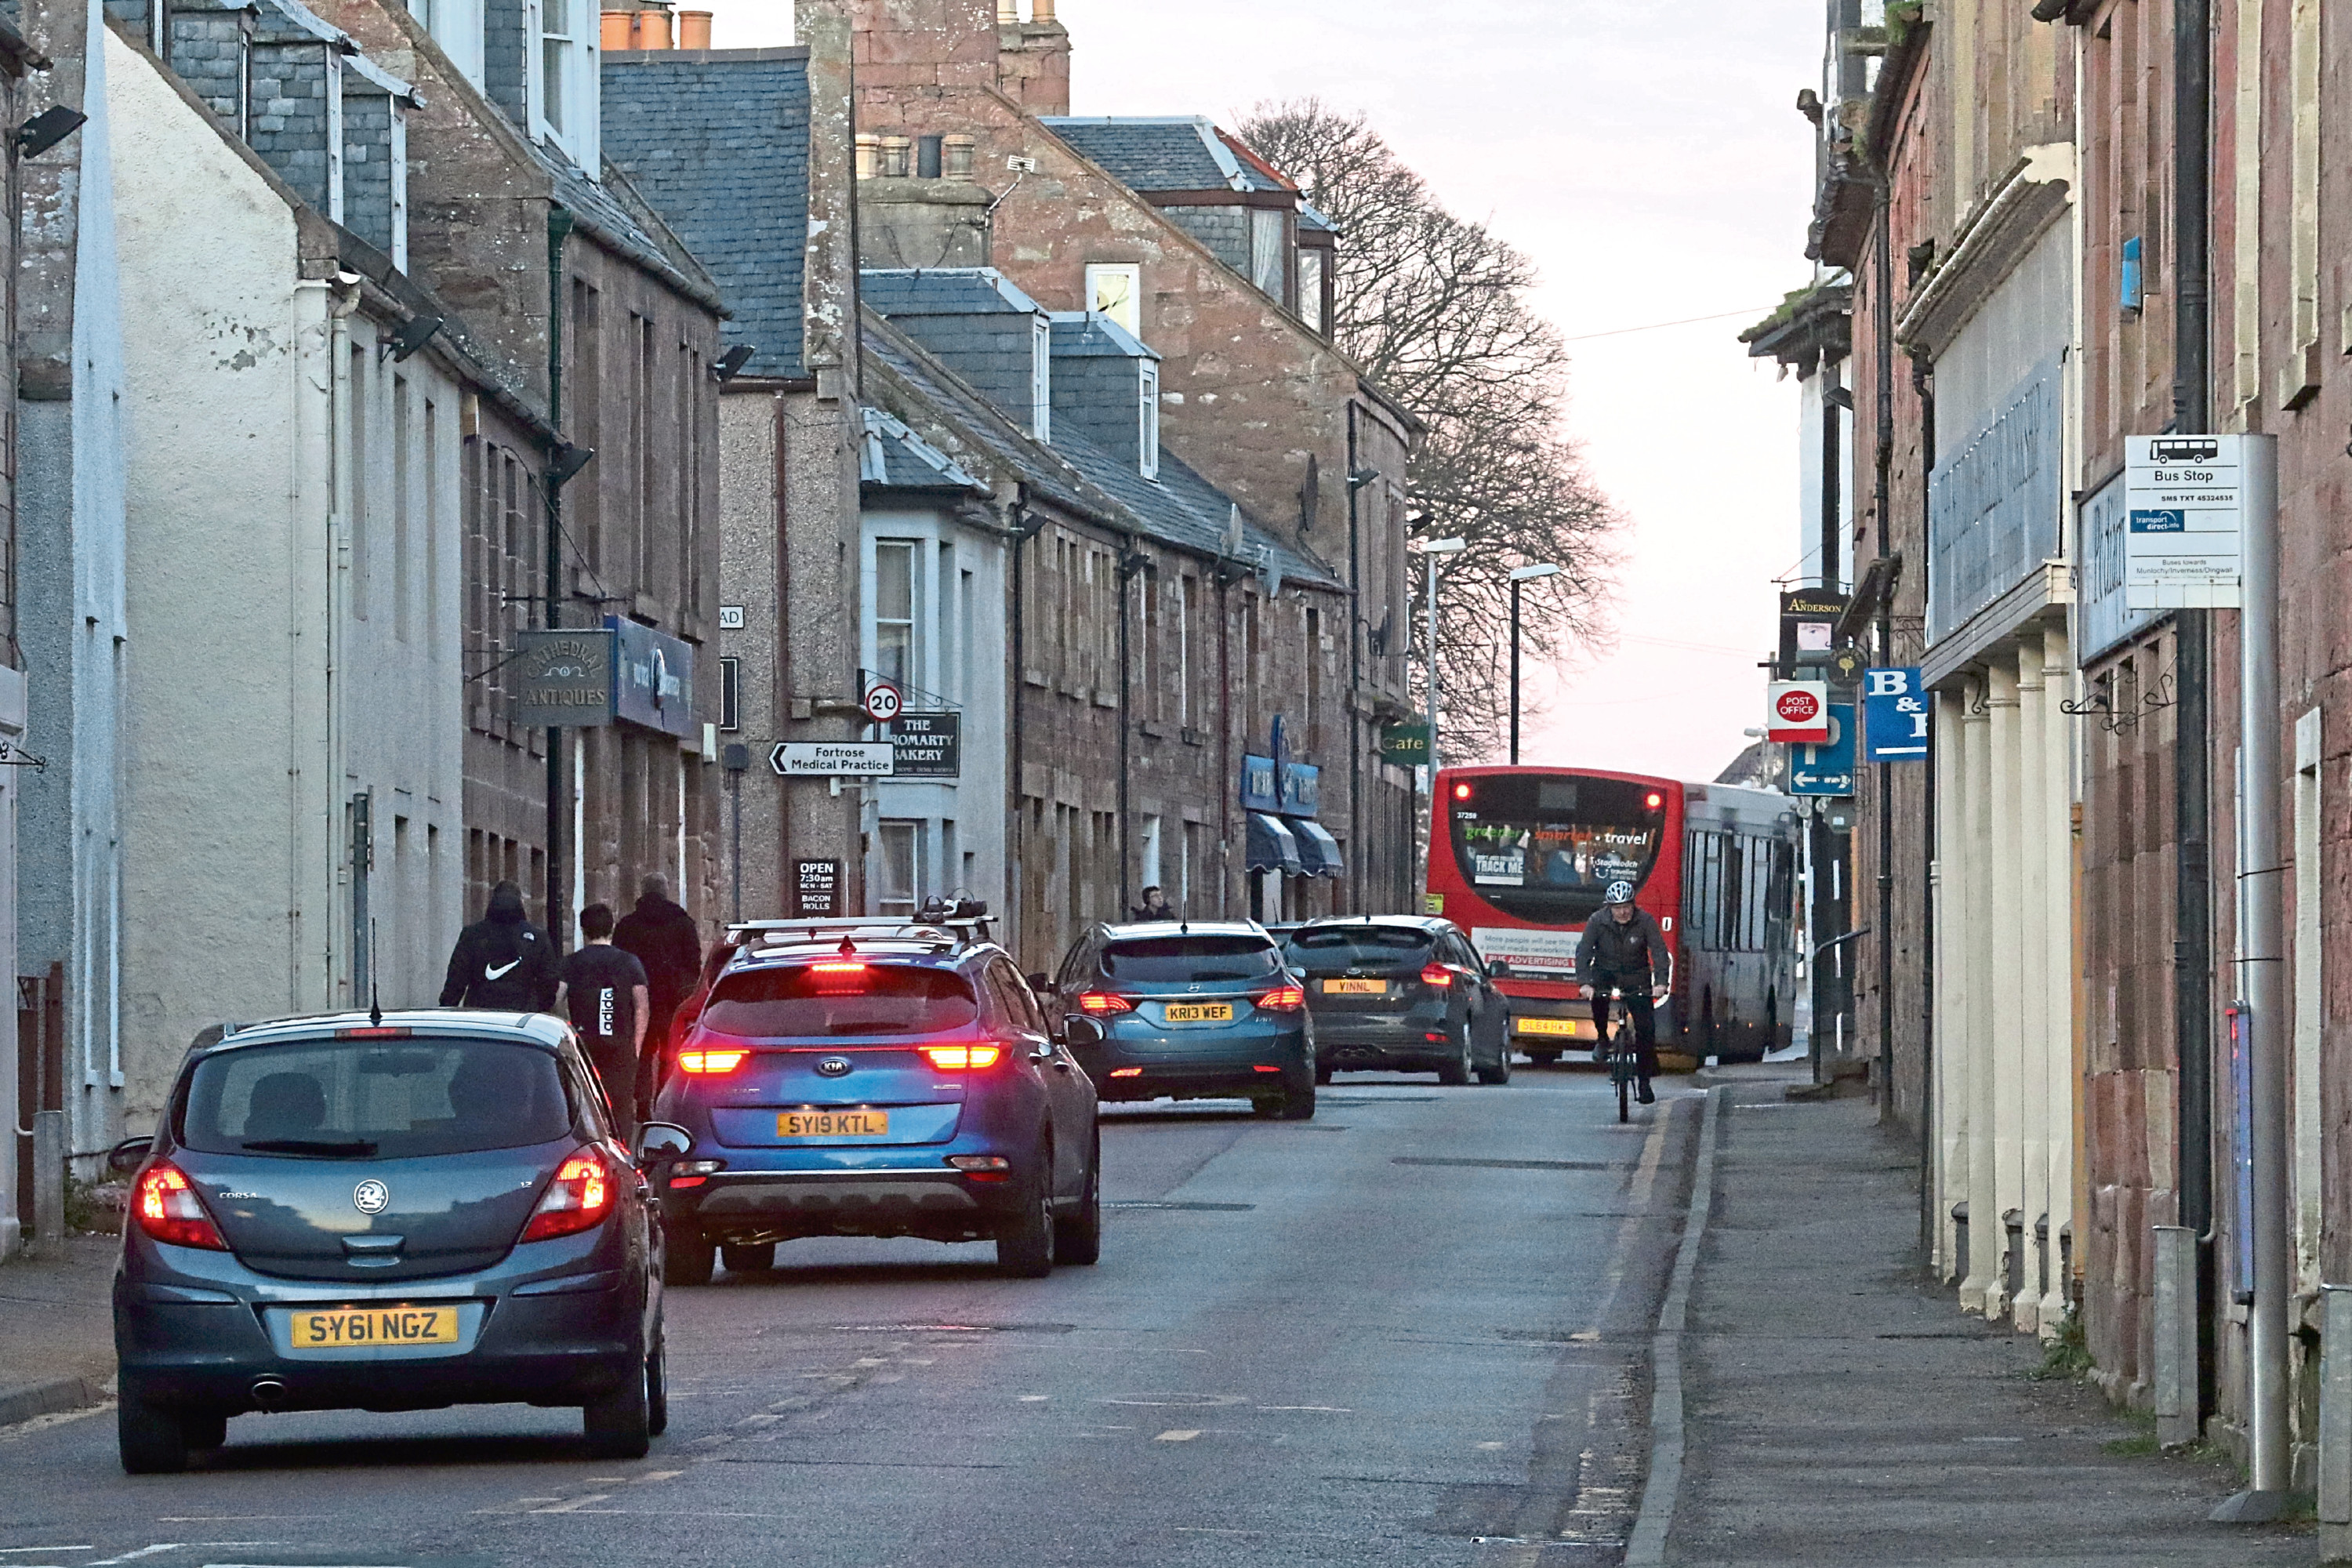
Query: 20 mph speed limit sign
x=1800 y=713
x=883 y=702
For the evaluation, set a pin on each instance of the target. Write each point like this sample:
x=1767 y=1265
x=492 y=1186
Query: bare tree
x=1436 y=310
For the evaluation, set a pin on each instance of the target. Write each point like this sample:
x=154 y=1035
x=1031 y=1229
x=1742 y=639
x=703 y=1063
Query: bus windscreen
x=1543 y=848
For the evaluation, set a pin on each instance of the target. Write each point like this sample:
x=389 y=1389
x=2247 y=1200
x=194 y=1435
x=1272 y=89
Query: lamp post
x=1431 y=550
x=1518 y=575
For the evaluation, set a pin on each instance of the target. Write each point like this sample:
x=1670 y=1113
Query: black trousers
x=1640 y=1010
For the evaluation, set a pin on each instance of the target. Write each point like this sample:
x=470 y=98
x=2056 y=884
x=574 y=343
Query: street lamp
x=1518 y=575
x=1431 y=550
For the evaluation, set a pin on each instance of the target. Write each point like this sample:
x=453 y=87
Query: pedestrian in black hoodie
x=664 y=939
x=502 y=963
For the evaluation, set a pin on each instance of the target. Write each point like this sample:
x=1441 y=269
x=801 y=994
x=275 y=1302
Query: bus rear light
x=711 y=1061
x=1462 y=792
x=1436 y=975
x=1099 y=1002
x=962 y=1058
x=1654 y=800
x=1282 y=999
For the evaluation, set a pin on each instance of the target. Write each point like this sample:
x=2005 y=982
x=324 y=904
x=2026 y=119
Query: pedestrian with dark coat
x=664 y=939
x=502 y=963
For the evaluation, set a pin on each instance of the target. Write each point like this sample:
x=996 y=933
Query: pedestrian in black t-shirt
x=604 y=990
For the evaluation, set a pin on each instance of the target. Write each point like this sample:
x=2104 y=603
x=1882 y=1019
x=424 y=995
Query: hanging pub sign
x=1809 y=619
x=1894 y=715
x=1261 y=785
x=563 y=678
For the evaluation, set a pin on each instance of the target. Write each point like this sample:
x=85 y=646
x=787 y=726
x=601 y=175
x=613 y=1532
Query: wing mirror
x=661 y=1140
x=1078 y=1030
x=129 y=1155
x=1041 y=983
x=1499 y=970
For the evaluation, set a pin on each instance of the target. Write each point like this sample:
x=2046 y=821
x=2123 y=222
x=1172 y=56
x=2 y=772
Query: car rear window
x=1165 y=959
x=1358 y=946
x=850 y=997
x=357 y=1099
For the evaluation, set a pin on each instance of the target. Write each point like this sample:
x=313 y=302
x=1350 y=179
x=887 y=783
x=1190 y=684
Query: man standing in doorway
x=604 y=991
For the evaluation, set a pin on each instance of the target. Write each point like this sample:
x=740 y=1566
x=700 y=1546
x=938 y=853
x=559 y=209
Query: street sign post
x=1895 y=716
x=834 y=759
x=1826 y=769
x=1800 y=713
x=2185 y=500
x=883 y=702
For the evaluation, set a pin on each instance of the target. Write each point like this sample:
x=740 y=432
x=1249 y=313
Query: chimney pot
x=1008 y=11
x=894 y=152
x=1041 y=10
x=615 y=29
x=653 y=30
x=694 y=29
x=956 y=157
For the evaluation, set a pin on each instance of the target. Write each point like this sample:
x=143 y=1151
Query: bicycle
x=1624 y=1058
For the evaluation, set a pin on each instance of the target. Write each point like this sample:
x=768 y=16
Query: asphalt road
x=1412 y=1330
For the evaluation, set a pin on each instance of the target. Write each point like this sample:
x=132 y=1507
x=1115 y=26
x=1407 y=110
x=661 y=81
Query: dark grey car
x=397 y=1213
x=1403 y=993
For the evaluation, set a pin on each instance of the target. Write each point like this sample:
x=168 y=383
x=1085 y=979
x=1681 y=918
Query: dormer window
x=563 y=88
x=1115 y=290
x=1148 y=410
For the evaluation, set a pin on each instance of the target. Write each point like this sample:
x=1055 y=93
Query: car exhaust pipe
x=267 y=1391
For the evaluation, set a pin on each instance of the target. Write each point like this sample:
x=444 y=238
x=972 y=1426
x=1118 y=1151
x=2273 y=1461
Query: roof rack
x=969 y=926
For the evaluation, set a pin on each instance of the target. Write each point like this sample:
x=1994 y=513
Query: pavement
x=57 y=1330
x=1839 y=1409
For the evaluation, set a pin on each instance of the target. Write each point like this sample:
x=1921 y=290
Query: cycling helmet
x=1620 y=892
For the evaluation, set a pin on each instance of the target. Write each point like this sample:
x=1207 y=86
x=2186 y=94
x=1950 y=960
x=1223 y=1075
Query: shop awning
x=1271 y=847
x=1319 y=852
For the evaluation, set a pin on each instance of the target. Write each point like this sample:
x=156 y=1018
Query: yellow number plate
x=346 y=1327
x=832 y=1124
x=1355 y=988
x=1197 y=1012
x=1574 y=1028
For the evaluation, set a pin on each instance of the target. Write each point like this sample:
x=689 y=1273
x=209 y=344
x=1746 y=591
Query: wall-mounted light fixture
x=46 y=128
x=412 y=335
x=730 y=365
x=565 y=462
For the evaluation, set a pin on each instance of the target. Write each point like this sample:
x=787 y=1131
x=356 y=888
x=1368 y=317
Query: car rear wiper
x=348 y=1149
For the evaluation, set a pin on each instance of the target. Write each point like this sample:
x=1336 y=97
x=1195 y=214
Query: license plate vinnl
x=344 y=1328
x=832 y=1124
x=1355 y=988
x=1197 y=1012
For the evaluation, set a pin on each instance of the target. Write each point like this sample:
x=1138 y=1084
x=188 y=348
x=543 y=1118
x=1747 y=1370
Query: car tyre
x=1025 y=1238
x=688 y=1259
x=619 y=1425
x=152 y=1440
x=1322 y=1073
x=1299 y=1097
x=1455 y=1070
x=657 y=1385
x=1077 y=1237
x=205 y=1429
x=750 y=1258
x=1499 y=1072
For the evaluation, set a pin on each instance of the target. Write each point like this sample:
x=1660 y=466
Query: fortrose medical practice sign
x=2185 y=499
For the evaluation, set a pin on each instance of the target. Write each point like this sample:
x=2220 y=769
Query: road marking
x=566 y=1506
x=142 y=1552
x=1646 y=1547
x=759 y=1421
x=1317 y=1409
x=1178 y=1436
x=658 y=1476
x=21 y=1550
x=1036 y=1399
x=1490 y=1445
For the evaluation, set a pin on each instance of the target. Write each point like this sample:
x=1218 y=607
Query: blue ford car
x=1198 y=1010
x=390 y=1213
x=877 y=1079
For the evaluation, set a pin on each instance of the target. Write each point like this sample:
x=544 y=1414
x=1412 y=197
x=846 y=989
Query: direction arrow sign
x=1826 y=769
x=834 y=759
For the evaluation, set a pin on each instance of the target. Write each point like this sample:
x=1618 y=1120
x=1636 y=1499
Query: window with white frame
x=1311 y=290
x=1148 y=413
x=1041 y=377
x=1115 y=290
x=898 y=872
x=894 y=611
x=564 y=102
x=1268 y=267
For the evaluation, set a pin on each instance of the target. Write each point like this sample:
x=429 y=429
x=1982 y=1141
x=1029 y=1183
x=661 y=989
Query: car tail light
x=1126 y=1072
x=711 y=1061
x=962 y=1058
x=694 y=1173
x=1436 y=974
x=577 y=1200
x=983 y=1167
x=1104 y=1002
x=1282 y=999
x=375 y=1032
x=1262 y=1067
x=169 y=1209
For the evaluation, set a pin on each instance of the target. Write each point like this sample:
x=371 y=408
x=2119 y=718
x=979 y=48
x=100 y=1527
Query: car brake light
x=694 y=1173
x=1126 y=1072
x=378 y=1032
x=840 y=966
x=962 y=1058
x=1104 y=1002
x=1282 y=999
x=577 y=1200
x=711 y=1061
x=169 y=1209
x=1436 y=974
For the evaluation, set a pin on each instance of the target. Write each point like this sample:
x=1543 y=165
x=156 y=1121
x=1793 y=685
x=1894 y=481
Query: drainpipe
x=1882 y=310
x=1923 y=382
x=1131 y=564
x=1226 y=742
x=2192 y=957
x=1355 y=676
x=1024 y=529
x=559 y=229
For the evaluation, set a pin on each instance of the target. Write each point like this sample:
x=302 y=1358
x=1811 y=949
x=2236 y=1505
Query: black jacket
x=664 y=939
x=1621 y=955
x=502 y=962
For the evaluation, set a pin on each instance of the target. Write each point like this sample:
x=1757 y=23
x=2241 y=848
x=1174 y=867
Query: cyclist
x=1622 y=948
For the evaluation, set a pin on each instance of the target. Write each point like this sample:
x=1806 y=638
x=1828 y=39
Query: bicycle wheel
x=1624 y=1099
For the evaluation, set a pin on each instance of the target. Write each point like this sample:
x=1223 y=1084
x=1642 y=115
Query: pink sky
x=1650 y=160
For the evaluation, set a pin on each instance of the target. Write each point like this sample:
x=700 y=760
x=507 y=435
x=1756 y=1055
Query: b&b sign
x=1895 y=716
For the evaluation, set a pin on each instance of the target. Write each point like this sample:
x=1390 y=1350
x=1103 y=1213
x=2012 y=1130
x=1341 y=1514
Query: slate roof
x=943 y=292
x=718 y=141
x=1090 y=333
x=1157 y=154
x=1179 y=508
x=895 y=456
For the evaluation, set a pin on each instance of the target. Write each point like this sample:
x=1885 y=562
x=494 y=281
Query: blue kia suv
x=395 y=1212
x=873 y=1078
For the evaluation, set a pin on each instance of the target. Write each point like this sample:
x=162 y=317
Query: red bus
x=1519 y=857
